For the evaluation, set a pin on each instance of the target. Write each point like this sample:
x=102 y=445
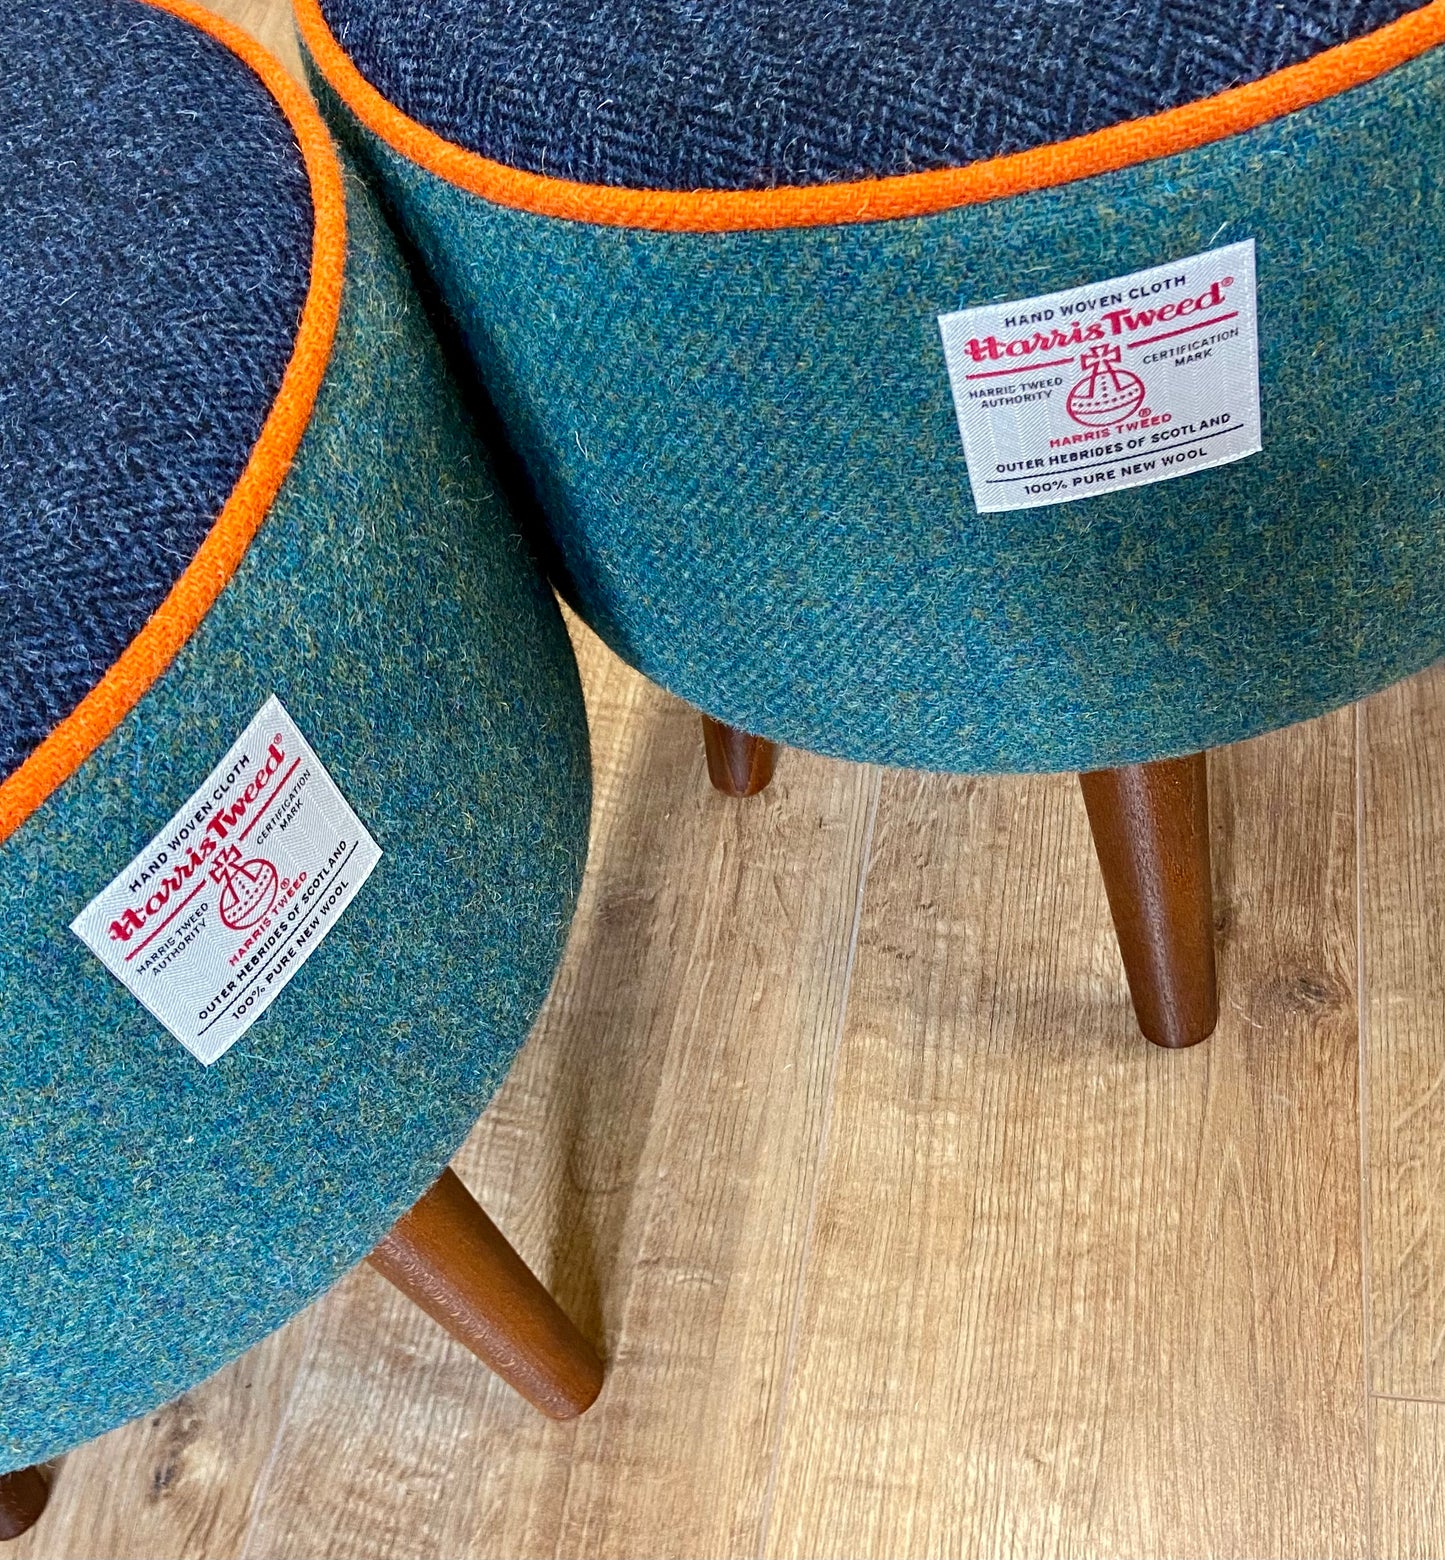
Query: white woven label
x=236 y=892
x=1114 y=385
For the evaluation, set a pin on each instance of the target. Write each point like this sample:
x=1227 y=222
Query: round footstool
x=294 y=782
x=980 y=388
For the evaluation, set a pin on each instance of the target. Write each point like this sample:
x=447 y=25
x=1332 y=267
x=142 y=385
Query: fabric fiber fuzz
x=158 y=1216
x=746 y=447
x=751 y=94
x=154 y=258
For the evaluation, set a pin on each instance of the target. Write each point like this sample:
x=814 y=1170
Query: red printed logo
x=1107 y=393
x=248 y=888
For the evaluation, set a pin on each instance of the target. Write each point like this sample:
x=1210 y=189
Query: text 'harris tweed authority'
x=1113 y=385
x=236 y=892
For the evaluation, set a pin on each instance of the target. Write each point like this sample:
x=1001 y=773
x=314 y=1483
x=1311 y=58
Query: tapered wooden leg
x=22 y=1498
x=448 y=1257
x=1151 y=830
x=738 y=764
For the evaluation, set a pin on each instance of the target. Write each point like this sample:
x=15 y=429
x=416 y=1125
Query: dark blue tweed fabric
x=749 y=94
x=157 y=1216
x=155 y=248
x=747 y=450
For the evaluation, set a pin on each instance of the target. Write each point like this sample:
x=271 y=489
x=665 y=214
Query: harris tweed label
x=1114 y=385
x=209 y=922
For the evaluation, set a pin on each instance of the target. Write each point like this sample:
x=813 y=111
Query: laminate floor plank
x=1071 y=1295
x=1408 y=1479
x=1403 y=915
x=653 y=1156
x=269 y=23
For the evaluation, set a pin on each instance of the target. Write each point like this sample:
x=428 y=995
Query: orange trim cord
x=153 y=649
x=874 y=200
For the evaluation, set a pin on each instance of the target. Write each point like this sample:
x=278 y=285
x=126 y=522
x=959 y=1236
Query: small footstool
x=981 y=387
x=294 y=781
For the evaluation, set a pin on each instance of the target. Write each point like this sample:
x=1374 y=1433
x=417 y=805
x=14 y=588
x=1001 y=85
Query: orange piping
x=153 y=649
x=874 y=200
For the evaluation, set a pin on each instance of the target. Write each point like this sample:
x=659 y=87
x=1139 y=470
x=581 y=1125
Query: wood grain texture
x=269 y=23
x=1408 y=1480
x=1150 y=824
x=24 y=1493
x=181 y=1483
x=652 y=1156
x=1403 y=915
x=738 y=763
x=448 y=1257
x=1069 y=1294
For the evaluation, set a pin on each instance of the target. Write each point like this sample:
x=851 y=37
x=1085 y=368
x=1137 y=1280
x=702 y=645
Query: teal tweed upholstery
x=746 y=449
x=157 y=1217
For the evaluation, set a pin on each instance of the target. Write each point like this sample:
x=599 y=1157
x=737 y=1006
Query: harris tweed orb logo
x=1115 y=384
x=248 y=889
x=1107 y=393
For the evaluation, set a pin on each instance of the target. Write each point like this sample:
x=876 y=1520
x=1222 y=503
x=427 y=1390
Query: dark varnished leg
x=1151 y=830
x=738 y=764
x=448 y=1257
x=22 y=1498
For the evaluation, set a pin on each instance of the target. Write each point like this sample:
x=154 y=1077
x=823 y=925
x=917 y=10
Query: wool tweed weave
x=151 y=302
x=751 y=94
x=160 y=1217
x=746 y=447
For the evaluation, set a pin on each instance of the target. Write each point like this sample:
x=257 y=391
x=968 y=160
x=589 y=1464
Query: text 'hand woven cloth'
x=705 y=256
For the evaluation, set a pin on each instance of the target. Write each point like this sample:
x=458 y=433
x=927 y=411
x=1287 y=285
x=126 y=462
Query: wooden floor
x=838 y=1138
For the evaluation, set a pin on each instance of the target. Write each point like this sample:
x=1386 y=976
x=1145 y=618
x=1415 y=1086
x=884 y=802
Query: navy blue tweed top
x=753 y=94
x=155 y=254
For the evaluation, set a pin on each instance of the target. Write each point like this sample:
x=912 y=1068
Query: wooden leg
x=738 y=764
x=1151 y=830
x=448 y=1257
x=22 y=1498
